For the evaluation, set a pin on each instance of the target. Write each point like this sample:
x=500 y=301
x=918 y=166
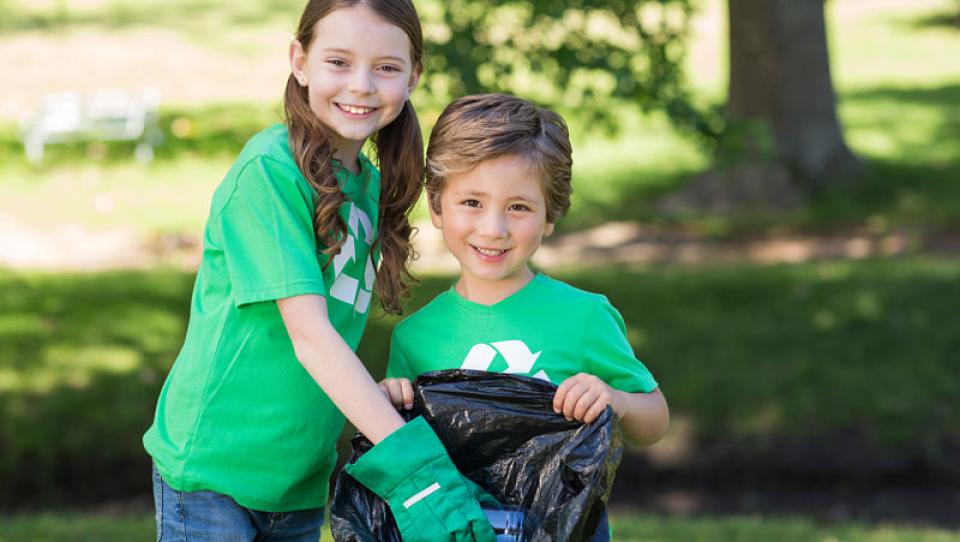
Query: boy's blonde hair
x=487 y=126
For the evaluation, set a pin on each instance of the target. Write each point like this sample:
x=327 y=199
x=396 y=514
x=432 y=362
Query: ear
x=548 y=229
x=435 y=217
x=414 y=78
x=298 y=62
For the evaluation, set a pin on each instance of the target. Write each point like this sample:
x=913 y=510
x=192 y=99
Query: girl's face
x=493 y=218
x=358 y=73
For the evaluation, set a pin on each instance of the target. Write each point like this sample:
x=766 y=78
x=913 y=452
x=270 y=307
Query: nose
x=362 y=82
x=493 y=225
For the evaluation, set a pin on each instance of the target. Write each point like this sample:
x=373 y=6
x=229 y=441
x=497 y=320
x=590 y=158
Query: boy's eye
x=470 y=203
x=391 y=68
x=519 y=207
x=337 y=62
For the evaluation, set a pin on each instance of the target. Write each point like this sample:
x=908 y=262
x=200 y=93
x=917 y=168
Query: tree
x=783 y=141
x=586 y=57
x=779 y=141
x=780 y=73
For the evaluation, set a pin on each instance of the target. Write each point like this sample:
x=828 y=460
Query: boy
x=498 y=179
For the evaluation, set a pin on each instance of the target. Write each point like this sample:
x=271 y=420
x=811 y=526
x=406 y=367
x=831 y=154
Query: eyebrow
x=349 y=52
x=466 y=193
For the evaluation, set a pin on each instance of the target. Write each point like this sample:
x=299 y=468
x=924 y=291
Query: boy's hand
x=583 y=397
x=399 y=391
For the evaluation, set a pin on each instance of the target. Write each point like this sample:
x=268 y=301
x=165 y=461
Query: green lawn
x=744 y=354
x=627 y=528
x=901 y=115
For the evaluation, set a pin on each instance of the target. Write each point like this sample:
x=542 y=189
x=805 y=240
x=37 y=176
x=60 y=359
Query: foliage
x=589 y=58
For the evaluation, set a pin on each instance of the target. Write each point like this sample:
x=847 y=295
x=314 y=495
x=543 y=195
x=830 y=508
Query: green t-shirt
x=548 y=329
x=238 y=413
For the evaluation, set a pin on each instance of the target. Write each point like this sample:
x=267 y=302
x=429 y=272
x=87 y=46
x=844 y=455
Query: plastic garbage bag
x=551 y=476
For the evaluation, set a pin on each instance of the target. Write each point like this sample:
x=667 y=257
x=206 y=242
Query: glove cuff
x=395 y=458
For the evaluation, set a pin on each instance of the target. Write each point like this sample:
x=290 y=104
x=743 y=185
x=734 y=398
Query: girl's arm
x=336 y=368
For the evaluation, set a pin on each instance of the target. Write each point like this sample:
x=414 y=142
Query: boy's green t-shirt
x=238 y=413
x=548 y=329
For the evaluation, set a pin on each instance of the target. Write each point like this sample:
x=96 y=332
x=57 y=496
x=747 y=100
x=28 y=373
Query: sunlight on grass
x=165 y=197
x=896 y=110
x=885 y=45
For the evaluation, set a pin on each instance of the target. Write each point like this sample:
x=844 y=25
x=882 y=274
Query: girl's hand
x=399 y=391
x=583 y=397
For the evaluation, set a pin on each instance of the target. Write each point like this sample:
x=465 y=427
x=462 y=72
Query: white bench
x=106 y=115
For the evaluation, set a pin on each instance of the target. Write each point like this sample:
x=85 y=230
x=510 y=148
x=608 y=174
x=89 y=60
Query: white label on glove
x=421 y=495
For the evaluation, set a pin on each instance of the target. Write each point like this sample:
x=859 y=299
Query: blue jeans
x=603 y=530
x=206 y=516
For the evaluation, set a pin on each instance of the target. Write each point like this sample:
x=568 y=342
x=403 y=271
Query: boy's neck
x=491 y=292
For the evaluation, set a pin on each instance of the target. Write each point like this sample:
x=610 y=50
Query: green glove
x=430 y=501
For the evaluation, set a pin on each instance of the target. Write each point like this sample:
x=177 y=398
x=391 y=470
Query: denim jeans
x=206 y=516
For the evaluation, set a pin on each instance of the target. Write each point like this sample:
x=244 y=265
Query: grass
x=746 y=355
x=900 y=115
x=50 y=527
x=802 y=351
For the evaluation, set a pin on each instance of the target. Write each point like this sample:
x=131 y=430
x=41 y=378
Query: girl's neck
x=347 y=153
x=491 y=292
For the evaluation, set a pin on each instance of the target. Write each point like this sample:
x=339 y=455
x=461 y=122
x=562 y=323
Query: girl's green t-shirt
x=548 y=329
x=238 y=414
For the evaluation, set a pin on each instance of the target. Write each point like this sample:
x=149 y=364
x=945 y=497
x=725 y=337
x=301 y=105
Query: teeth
x=489 y=252
x=357 y=110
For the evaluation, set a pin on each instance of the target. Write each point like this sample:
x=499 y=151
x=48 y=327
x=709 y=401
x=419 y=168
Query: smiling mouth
x=356 y=109
x=490 y=252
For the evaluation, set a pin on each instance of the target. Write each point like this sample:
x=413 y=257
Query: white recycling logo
x=347 y=288
x=516 y=353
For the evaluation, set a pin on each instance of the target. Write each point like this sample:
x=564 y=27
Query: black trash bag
x=502 y=433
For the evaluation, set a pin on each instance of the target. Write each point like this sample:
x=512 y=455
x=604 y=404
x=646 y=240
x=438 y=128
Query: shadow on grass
x=949 y=20
x=757 y=363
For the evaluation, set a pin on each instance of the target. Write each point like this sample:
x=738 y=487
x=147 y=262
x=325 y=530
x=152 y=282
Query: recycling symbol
x=347 y=288
x=516 y=353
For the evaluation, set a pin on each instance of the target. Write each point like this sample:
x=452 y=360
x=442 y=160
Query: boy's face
x=493 y=218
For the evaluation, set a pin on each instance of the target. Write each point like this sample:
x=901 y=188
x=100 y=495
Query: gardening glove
x=430 y=501
x=485 y=499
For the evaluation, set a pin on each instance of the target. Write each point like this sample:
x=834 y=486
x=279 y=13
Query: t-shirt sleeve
x=398 y=366
x=268 y=238
x=609 y=356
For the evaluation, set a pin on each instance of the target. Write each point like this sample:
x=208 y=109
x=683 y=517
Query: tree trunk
x=780 y=74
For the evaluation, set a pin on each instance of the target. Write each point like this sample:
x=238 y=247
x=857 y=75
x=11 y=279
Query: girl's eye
x=391 y=68
x=337 y=62
x=470 y=203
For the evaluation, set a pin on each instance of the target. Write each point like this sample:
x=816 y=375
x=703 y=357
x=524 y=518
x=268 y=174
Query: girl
x=243 y=442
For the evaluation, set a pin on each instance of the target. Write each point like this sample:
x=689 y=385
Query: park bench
x=105 y=115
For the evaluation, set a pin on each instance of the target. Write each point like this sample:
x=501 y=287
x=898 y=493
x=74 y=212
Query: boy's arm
x=608 y=355
x=644 y=417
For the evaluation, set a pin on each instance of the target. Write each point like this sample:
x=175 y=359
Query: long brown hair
x=399 y=147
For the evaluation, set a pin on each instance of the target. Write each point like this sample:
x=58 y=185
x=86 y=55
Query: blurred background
x=768 y=190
